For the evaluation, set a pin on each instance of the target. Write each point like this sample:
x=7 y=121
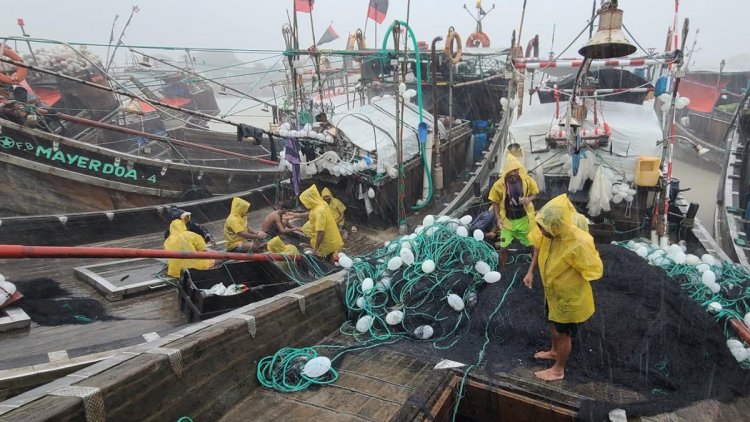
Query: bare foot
x=550 y=374
x=546 y=355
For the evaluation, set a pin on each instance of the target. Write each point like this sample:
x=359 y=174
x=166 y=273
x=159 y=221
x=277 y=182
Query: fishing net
x=46 y=303
x=650 y=347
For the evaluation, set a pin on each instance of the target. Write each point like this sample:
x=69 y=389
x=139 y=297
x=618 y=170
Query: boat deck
x=372 y=386
x=42 y=353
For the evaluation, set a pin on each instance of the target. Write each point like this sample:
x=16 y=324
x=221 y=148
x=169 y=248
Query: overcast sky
x=256 y=24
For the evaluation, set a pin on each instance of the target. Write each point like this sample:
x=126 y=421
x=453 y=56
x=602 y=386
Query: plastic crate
x=264 y=280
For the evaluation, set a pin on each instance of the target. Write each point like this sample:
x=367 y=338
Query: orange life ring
x=478 y=39
x=20 y=73
x=453 y=56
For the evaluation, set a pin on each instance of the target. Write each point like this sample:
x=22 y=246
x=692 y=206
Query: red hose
x=740 y=329
x=21 y=251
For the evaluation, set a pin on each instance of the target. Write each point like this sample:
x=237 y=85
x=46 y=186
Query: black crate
x=265 y=280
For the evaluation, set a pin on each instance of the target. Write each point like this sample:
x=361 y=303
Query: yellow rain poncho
x=497 y=192
x=322 y=220
x=568 y=262
x=308 y=230
x=276 y=245
x=236 y=223
x=337 y=207
x=182 y=240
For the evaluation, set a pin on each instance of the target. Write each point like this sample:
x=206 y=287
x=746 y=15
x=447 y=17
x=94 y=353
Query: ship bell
x=609 y=41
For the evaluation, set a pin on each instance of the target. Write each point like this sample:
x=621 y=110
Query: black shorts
x=570 y=329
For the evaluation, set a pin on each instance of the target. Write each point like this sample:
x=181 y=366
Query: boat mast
x=133 y=11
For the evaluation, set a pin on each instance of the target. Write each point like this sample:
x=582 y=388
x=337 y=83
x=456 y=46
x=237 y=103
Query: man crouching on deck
x=568 y=262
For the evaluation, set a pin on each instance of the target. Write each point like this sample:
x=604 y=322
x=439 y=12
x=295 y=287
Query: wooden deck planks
x=371 y=387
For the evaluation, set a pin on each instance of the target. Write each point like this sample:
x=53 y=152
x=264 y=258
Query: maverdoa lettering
x=86 y=163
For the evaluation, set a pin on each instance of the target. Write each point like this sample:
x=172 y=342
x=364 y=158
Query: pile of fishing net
x=649 y=347
x=46 y=303
x=653 y=345
x=422 y=286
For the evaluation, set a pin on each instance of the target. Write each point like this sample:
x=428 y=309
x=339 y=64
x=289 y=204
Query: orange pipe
x=740 y=329
x=21 y=251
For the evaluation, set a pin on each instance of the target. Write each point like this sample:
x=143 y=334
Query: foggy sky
x=256 y=24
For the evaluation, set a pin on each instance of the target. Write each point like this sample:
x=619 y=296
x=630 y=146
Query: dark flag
x=328 y=36
x=304 y=6
x=377 y=11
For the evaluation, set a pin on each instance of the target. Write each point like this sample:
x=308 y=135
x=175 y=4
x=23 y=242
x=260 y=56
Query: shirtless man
x=278 y=222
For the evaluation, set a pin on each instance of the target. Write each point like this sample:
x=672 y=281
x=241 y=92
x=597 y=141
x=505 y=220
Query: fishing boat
x=731 y=225
x=714 y=99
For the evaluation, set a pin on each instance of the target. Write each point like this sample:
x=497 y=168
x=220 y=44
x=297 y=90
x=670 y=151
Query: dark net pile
x=46 y=303
x=646 y=336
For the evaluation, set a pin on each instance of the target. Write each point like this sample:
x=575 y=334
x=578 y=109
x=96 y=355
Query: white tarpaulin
x=635 y=132
x=373 y=127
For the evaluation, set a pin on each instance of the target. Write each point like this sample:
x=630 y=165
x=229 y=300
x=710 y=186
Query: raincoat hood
x=240 y=207
x=326 y=192
x=311 y=198
x=511 y=163
x=556 y=216
x=276 y=245
x=177 y=226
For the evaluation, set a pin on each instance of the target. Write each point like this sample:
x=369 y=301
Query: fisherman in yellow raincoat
x=337 y=207
x=511 y=196
x=182 y=240
x=327 y=240
x=236 y=229
x=568 y=263
x=276 y=245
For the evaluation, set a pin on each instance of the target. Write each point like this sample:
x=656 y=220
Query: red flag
x=328 y=36
x=377 y=10
x=304 y=6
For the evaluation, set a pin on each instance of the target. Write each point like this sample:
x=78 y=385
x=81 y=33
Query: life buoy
x=478 y=39
x=20 y=73
x=453 y=56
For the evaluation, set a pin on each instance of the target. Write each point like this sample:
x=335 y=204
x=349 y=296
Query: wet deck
x=57 y=350
x=372 y=386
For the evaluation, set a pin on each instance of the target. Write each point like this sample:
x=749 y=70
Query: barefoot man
x=568 y=263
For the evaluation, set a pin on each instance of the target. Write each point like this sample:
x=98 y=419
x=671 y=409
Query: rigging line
x=151 y=47
x=649 y=55
x=559 y=55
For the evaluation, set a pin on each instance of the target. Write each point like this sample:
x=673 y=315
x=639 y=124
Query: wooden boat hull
x=62 y=175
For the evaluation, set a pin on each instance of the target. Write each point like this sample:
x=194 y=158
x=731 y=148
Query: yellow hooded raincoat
x=276 y=245
x=497 y=192
x=236 y=223
x=337 y=207
x=182 y=240
x=568 y=262
x=322 y=220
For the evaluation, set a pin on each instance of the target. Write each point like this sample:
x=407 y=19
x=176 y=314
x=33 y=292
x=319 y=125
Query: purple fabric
x=291 y=155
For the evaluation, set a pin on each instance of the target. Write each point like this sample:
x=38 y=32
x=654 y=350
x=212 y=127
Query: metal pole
x=437 y=174
x=718 y=88
x=28 y=43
